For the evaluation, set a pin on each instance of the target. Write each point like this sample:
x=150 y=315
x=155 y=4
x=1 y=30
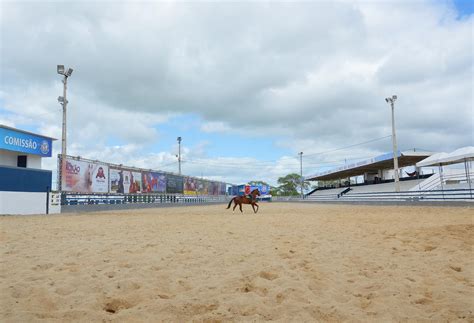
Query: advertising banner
x=213 y=188
x=174 y=184
x=247 y=189
x=202 y=187
x=25 y=143
x=217 y=188
x=153 y=182
x=263 y=189
x=125 y=181
x=135 y=182
x=190 y=186
x=84 y=177
x=222 y=189
x=120 y=180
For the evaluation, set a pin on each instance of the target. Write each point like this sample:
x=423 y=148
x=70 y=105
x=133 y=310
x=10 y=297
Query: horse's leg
x=235 y=205
x=253 y=207
x=240 y=206
x=256 y=206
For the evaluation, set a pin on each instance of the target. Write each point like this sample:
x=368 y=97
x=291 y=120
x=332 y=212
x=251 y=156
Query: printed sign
x=94 y=177
x=153 y=182
x=84 y=177
x=25 y=143
x=119 y=180
x=125 y=181
x=190 y=186
x=174 y=184
x=213 y=188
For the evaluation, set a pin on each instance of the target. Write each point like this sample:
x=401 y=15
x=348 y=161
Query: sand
x=290 y=262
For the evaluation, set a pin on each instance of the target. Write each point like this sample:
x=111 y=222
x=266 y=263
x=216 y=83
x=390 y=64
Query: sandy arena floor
x=290 y=262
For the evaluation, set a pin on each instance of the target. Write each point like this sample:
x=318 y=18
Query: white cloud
x=313 y=73
x=215 y=126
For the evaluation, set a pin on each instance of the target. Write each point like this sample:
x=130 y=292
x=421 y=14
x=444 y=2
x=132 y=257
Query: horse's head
x=255 y=192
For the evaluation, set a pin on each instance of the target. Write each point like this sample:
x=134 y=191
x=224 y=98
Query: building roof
x=458 y=156
x=23 y=131
x=375 y=164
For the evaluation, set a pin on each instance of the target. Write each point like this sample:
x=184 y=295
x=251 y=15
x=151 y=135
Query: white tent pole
x=468 y=177
x=441 y=178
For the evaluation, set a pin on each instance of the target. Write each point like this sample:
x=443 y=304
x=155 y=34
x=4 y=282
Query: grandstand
x=378 y=181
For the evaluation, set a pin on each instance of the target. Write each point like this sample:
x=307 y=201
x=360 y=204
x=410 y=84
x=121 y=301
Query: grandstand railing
x=431 y=195
x=436 y=181
x=114 y=198
x=117 y=199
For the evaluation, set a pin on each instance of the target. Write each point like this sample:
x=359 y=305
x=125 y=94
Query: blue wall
x=16 y=179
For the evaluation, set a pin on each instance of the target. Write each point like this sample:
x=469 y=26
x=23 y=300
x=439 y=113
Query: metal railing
x=111 y=198
x=410 y=196
x=432 y=195
x=436 y=181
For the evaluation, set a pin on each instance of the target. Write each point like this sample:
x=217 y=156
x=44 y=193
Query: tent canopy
x=440 y=159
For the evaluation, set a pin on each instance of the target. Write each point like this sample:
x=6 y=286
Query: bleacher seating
x=359 y=191
x=385 y=187
x=458 y=186
x=326 y=194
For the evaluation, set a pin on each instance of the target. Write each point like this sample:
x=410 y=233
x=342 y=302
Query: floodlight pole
x=64 y=104
x=301 y=173
x=179 y=154
x=63 y=101
x=394 y=143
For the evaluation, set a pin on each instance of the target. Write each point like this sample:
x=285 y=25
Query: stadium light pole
x=391 y=101
x=179 y=154
x=301 y=173
x=63 y=101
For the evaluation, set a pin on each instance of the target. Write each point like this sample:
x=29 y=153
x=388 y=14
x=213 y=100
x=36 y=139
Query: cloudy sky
x=247 y=85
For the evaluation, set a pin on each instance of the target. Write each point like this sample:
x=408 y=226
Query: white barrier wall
x=24 y=203
x=10 y=158
x=54 y=203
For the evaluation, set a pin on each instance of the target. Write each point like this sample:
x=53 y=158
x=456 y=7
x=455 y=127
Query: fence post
x=47 y=199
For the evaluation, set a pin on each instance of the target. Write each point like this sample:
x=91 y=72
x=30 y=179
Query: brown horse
x=239 y=200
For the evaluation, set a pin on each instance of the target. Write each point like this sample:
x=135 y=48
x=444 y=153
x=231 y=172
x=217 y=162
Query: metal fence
x=117 y=199
x=411 y=196
x=148 y=200
x=431 y=195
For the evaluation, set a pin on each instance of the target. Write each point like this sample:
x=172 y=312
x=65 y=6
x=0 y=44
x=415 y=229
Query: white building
x=24 y=186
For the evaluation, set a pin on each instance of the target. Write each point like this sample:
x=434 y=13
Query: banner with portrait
x=135 y=182
x=125 y=181
x=119 y=180
x=84 y=177
x=174 y=184
x=153 y=182
x=213 y=188
x=222 y=188
x=190 y=186
x=202 y=187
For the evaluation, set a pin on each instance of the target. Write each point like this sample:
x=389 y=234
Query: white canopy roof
x=456 y=157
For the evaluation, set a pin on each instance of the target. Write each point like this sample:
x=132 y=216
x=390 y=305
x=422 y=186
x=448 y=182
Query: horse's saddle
x=250 y=197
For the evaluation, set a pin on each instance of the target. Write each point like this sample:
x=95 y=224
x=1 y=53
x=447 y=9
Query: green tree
x=275 y=191
x=290 y=185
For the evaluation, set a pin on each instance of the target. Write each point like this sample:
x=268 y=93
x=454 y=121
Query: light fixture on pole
x=391 y=101
x=63 y=101
x=179 y=154
x=301 y=173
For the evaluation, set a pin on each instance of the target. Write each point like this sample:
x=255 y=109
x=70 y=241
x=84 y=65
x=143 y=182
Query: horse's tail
x=228 y=206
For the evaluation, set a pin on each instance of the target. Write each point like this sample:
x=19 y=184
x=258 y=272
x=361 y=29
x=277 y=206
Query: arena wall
x=24 y=190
